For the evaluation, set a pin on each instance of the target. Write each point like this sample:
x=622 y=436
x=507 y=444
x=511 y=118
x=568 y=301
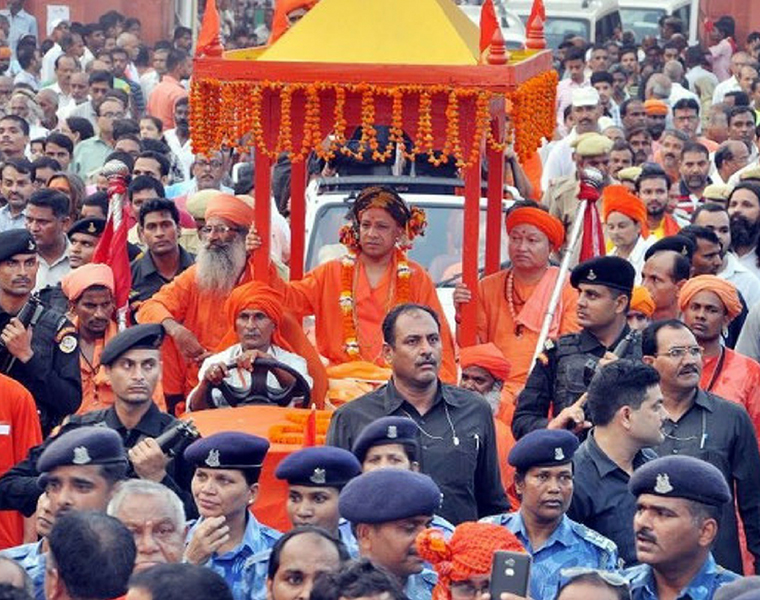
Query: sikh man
x=708 y=305
x=512 y=302
x=90 y=292
x=380 y=227
x=676 y=558
x=387 y=509
x=705 y=426
x=254 y=315
x=667 y=266
x=544 y=479
x=559 y=378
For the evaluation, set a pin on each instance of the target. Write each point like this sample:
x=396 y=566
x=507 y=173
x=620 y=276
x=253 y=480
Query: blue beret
x=543 y=448
x=319 y=466
x=90 y=226
x=384 y=495
x=681 y=476
x=228 y=450
x=676 y=243
x=16 y=241
x=83 y=446
x=148 y=335
x=385 y=430
x=610 y=271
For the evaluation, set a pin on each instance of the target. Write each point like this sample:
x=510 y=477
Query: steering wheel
x=261 y=393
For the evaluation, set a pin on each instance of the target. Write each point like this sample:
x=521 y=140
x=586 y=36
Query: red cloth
x=209 y=32
x=282 y=9
x=592 y=242
x=488 y=24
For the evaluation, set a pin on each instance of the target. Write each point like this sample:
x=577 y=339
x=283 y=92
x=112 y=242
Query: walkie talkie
x=29 y=314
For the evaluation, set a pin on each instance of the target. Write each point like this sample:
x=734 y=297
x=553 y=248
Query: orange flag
x=310 y=428
x=488 y=24
x=209 y=29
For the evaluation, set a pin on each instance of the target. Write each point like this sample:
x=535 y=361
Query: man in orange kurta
x=350 y=296
x=90 y=290
x=512 y=303
x=19 y=432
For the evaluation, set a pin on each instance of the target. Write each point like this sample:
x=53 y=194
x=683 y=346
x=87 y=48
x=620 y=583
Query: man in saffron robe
x=350 y=296
x=512 y=303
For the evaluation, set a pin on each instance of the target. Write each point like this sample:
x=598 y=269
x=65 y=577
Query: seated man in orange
x=708 y=304
x=350 y=296
x=90 y=290
x=512 y=303
x=254 y=315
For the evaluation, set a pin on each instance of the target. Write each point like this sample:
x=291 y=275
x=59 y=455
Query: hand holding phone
x=510 y=573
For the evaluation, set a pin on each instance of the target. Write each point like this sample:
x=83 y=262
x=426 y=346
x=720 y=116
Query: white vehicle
x=439 y=251
x=512 y=28
x=643 y=16
x=593 y=20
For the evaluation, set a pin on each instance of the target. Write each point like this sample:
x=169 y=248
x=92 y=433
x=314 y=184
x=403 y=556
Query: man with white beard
x=189 y=306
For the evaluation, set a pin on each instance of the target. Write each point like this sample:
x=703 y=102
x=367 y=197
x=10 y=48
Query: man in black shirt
x=625 y=403
x=456 y=425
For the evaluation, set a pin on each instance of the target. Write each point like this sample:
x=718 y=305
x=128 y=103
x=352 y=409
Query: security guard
x=225 y=484
x=134 y=416
x=675 y=552
x=562 y=372
x=388 y=508
x=544 y=479
x=43 y=354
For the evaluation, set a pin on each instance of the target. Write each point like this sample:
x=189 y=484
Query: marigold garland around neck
x=348 y=301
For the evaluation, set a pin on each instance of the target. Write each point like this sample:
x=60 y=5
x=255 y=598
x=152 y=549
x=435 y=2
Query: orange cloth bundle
x=486 y=356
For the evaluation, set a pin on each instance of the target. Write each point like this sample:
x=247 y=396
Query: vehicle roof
x=568 y=8
x=667 y=5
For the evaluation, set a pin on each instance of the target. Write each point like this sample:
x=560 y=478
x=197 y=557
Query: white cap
x=585 y=96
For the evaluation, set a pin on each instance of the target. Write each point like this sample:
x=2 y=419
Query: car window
x=642 y=21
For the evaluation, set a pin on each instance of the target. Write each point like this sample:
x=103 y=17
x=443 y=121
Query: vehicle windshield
x=557 y=29
x=642 y=21
x=439 y=251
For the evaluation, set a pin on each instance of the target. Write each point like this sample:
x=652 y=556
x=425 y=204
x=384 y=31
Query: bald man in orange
x=512 y=303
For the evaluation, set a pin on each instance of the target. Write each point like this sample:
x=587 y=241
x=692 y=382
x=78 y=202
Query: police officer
x=388 y=508
x=562 y=371
x=225 y=484
x=43 y=355
x=133 y=365
x=544 y=479
x=675 y=551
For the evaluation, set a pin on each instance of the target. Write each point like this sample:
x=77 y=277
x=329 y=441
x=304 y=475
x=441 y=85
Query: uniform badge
x=212 y=460
x=91 y=228
x=558 y=454
x=392 y=432
x=31 y=245
x=68 y=344
x=591 y=275
x=663 y=484
x=549 y=344
x=319 y=476
x=81 y=456
x=684 y=251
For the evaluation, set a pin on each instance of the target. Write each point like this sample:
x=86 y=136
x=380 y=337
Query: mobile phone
x=510 y=572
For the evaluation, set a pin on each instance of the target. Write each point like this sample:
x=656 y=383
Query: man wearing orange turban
x=625 y=223
x=641 y=309
x=708 y=304
x=90 y=290
x=512 y=303
x=254 y=316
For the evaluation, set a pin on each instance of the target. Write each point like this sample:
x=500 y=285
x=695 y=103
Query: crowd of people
x=624 y=460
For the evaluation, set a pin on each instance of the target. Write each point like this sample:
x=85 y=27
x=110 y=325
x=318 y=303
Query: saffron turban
x=655 y=107
x=618 y=198
x=198 y=202
x=725 y=291
x=230 y=208
x=77 y=281
x=469 y=552
x=641 y=301
x=550 y=226
x=486 y=356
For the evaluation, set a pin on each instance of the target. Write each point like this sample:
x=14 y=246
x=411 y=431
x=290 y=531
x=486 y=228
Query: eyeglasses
x=678 y=352
x=113 y=115
x=213 y=164
x=220 y=229
x=467 y=589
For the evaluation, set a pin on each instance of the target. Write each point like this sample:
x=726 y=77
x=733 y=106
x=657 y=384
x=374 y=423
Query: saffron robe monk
x=512 y=303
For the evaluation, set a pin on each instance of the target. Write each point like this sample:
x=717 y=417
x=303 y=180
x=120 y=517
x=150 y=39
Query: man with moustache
x=705 y=426
x=653 y=186
x=730 y=157
x=679 y=501
x=694 y=168
x=16 y=185
x=667 y=266
x=744 y=215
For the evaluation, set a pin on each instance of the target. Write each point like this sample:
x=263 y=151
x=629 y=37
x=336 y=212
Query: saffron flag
x=488 y=24
x=209 y=32
x=310 y=428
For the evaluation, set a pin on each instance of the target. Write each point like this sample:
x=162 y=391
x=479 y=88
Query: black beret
x=16 y=241
x=148 y=335
x=228 y=450
x=384 y=495
x=609 y=271
x=543 y=448
x=83 y=446
x=676 y=243
x=319 y=466
x=681 y=476
x=385 y=430
x=90 y=226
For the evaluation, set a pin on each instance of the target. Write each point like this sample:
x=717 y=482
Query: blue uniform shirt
x=570 y=545
x=32 y=560
x=420 y=586
x=232 y=565
x=702 y=587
